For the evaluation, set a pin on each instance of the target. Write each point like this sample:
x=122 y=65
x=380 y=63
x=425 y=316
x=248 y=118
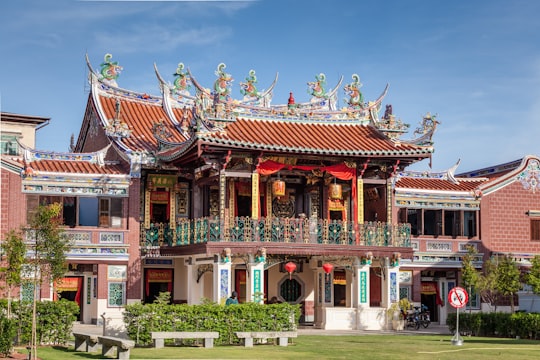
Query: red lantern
x=290 y=267
x=327 y=268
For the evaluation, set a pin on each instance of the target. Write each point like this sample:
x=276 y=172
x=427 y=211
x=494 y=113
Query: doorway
x=70 y=288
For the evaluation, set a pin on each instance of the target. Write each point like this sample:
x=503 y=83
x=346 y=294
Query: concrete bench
x=86 y=342
x=160 y=336
x=109 y=343
x=282 y=336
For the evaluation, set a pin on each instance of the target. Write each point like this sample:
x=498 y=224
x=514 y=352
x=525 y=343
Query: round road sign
x=458 y=297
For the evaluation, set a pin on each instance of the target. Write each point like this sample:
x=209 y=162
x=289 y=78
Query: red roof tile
x=140 y=116
x=312 y=137
x=74 y=167
x=439 y=184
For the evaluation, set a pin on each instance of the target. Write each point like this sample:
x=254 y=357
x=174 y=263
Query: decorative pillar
x=222 y=275
x=360 y=200
x=361 y=284
x=255 y=195
x=390 y=284
x=389 y=201
x=222 y=202
x=255 y=273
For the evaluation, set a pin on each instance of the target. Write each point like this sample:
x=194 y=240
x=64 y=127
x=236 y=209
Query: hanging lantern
x=278 y=187
x=150 y=185
x=328 y=268
x=290 y=267
x=335 y=191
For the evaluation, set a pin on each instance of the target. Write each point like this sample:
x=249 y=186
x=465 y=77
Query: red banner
x=159 y=275
x=67 y=284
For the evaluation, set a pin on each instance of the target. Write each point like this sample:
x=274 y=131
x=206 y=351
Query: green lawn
x=373 y=347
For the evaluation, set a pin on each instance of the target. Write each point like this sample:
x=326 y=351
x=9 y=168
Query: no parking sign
x=458 y=297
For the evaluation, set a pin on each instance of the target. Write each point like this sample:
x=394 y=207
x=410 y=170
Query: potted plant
x=397 y=312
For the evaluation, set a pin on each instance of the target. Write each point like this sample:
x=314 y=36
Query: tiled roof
x=463 y=184
x=70 y=167
x=79 y=167
x=140 y=116
x=312 y=138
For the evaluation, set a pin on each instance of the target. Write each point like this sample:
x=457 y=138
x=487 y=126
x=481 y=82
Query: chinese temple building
x=198 y=193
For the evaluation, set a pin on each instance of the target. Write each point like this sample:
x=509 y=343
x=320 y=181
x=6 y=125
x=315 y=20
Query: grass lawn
x=373 y=347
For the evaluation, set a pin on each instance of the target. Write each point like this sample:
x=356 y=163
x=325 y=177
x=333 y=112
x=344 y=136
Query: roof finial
x=291 y=99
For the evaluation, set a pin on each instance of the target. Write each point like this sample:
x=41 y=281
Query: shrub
x=54 y=321
x=141 y=319
x=524 y=325
x=7 y=334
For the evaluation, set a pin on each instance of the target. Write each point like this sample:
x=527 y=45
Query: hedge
x=54 y=320
x=141 y=320
x=524 y=325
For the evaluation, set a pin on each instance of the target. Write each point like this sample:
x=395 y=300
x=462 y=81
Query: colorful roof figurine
x=150 y=129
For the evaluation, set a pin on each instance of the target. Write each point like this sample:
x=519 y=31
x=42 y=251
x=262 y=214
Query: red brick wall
x=133 y=236
x=13 y=203
x=505 y=226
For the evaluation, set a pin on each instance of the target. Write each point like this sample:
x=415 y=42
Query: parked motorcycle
x=411 y=319
x=423 y=315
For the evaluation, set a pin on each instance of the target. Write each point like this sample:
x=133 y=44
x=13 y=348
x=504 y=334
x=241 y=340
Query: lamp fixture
x=335 y=191
x=278 y=187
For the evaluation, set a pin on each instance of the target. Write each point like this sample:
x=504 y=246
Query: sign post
x=458 y=298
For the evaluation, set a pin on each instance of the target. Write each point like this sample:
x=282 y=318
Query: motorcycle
x=411 y=319
x=423 y=315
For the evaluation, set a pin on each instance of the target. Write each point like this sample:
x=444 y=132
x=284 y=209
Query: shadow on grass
x=71 y=352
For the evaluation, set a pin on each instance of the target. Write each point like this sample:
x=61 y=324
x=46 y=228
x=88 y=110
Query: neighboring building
x=94 y=194
x=495 y=210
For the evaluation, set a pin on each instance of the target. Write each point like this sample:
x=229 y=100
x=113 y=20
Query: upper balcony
x=273 y=230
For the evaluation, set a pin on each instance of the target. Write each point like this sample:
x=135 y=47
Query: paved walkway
x=433 y=329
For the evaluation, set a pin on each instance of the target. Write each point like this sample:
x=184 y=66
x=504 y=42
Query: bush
x=7 y=334
x=524 y=325
x=54 y=321
x=141 y=319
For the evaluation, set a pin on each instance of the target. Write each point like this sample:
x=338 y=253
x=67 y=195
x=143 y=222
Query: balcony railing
x=279 y=230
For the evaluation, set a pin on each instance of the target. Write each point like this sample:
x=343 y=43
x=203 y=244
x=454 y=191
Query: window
x=404 y=292
x=8 y=145
x=103 y=212
x=290 y=290
x=110 y=212
x=535 y=230
x=433 y=222
x=116 y=296
x=474 y=299
x=414 y=217
x=469 y=223
x=452 y=223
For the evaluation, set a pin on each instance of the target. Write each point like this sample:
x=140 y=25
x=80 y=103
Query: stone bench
x=160 y=336
x=86 y=342
x=109 y=343
x=282 y=336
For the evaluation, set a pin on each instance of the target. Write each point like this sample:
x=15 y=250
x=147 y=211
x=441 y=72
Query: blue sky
x=476 y=64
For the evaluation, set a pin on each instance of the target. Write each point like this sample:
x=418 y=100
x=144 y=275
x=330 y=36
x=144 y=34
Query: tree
x=508 y=278
x=487 y=283
x=48 y=248
x=469 y=274
x=533 y=278
x=15 y=251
